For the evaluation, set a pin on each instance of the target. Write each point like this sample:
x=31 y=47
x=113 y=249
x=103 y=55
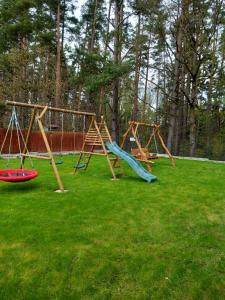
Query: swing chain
x=13 y=122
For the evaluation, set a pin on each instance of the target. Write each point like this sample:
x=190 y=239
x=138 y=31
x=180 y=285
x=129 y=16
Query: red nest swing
x=17 y=175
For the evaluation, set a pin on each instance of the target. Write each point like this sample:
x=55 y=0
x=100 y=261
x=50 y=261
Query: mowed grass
x=124 y=239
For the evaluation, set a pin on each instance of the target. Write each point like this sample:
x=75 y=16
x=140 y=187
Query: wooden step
x=92 y=135
x=95 y=153
x=93 y=141
x=92 y=138
x=94 y=144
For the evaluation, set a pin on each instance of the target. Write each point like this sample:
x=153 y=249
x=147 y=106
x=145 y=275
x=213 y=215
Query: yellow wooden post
x=105 y=151
x=82 y=152
x=125 y=135
x=144 y=159
x=41 y=127
x=151 y=136
x=165 y=148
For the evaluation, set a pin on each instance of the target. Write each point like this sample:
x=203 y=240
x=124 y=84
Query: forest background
x=156 y=61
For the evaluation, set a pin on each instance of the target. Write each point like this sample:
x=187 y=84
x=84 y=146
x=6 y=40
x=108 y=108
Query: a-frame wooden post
x=96 y=136
x=151 y=137
x=104 y=148
x=144 y=158
x=83 y=150
x=133 y=127
x=51 y=157
x=164 y=146
x=125 y=135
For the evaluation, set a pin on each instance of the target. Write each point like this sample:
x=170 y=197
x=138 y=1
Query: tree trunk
x=180 y=116
x=101 y=108
x=176 y=84
x=192 y=139
x=185 y=112
x=209 y=123
x=146 y=83
x=192 y=132
x=115 y=111
x=58 y=60
x=117 y=60
x=172 y=124
x=137 y=69
x=93 y=33
x=157 y=97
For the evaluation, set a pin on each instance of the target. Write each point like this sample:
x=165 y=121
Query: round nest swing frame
x=17 y=175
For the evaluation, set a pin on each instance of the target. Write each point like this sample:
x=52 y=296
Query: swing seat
x=136 y=152
x=80 y=166
x=59 y=162
x=17 y=175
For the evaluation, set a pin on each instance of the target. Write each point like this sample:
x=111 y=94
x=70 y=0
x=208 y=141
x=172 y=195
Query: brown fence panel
x=70 y=141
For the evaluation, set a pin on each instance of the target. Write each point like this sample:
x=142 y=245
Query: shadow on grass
x=135 y=179
x=20 y=187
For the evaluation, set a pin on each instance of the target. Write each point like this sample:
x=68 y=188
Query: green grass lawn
x=124 y=239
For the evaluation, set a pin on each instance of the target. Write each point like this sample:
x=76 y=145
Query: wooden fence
x=70 y=141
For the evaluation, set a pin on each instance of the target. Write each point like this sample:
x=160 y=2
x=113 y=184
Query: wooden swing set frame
x=94 y=144
x=38 y=112
x=143 y=157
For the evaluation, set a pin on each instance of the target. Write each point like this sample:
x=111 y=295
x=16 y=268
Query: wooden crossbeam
x=36 y=156
x=56 y=109
x=143 y=124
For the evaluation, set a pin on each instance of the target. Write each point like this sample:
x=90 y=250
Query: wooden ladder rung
x=92 y=140
x=94 y=153
x=92 y=136
x=93 y=144
x=92 y=133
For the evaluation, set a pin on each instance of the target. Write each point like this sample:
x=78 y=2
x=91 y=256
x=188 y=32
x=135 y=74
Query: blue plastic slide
x=133 y=163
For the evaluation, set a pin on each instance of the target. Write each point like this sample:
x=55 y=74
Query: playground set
x=97 y=141
x=142 y=152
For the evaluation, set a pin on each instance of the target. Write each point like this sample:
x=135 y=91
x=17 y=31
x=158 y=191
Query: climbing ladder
x=94 y=144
